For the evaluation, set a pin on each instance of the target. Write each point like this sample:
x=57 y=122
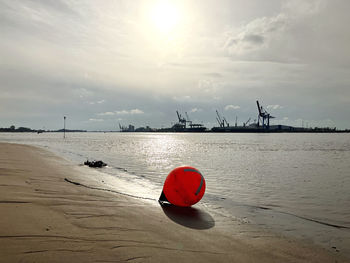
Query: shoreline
x=48 y=218
x=218 y=130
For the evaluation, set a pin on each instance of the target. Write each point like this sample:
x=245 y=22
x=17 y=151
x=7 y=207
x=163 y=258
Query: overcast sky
x=137 y=62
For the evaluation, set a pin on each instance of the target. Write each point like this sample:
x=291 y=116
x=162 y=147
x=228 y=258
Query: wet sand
x=55 y=211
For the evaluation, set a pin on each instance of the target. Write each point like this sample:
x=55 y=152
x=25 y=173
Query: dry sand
x=44 y=218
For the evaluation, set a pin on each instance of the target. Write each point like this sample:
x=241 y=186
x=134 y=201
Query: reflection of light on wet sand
x=140 y=189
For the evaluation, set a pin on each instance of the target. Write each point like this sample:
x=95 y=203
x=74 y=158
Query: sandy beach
x=55 y=211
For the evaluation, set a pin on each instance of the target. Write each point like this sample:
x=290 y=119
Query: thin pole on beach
x=64 y=127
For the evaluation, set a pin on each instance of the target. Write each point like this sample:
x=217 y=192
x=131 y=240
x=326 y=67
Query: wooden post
x=64 y=127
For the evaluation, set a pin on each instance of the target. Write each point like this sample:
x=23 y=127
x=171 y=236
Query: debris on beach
x=95 y=164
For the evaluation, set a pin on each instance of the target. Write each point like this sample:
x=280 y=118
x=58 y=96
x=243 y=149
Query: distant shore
x=55 y=211
x=25 y=129
x=213 y=130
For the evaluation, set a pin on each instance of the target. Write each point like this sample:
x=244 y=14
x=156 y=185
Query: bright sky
x=137 y=62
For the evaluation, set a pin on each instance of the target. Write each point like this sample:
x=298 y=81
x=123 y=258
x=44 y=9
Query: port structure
x=182 y=120
x=221 y=120
x=188 y=119
x=246 y=123
x=122 y=128
x=261 y=124
x=182 y=124
x=263 y=117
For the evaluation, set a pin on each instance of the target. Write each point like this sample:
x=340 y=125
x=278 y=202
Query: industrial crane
x=181 y=119
x=246 y=123
x=263 y=116
x=221 y=120
x=183 y=123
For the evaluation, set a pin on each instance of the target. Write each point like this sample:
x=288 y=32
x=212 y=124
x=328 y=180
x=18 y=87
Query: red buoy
x=184 y=186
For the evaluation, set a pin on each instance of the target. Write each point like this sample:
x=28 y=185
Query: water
x=294 y=184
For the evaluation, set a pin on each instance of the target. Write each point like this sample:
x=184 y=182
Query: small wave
x=317 y=221
x=121 y=169
x=303 y=217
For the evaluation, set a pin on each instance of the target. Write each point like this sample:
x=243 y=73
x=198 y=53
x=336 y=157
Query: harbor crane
x=182 y=120
x=246 y=123
x=263 y=116
x=221 y=120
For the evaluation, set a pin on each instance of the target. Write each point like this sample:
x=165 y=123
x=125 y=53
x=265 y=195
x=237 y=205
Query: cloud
x=213 y=74
x=301 y=7
x=108 y=113
x=299 y=32
x=121 y=112
x=63 y=57
x=196 y=110
x=274 y=107
x=98 y=120
x=207 y=85
x=256 y=35
x=232 y=107
x=182 y=98
x=83 y=93
x=211 y=88
x=254 y=39
x=96 y=102
x=131 y=112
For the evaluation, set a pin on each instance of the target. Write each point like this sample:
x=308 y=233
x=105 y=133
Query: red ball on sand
x=184 y=186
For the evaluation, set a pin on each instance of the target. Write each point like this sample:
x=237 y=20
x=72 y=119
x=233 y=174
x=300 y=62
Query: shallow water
x=295 y=184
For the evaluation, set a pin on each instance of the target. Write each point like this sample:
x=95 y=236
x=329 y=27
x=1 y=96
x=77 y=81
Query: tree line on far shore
x=12 y=128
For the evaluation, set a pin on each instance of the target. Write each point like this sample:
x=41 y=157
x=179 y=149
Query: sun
x=165 y=16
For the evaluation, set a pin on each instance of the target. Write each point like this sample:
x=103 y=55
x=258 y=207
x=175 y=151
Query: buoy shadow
x=188 y=216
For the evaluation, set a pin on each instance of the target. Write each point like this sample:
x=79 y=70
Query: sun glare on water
x=165 y=16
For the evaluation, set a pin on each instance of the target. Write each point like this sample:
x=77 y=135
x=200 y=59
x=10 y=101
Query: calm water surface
x=295 y=183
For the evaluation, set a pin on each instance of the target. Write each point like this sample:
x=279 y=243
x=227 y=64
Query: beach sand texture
x=45 y=218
